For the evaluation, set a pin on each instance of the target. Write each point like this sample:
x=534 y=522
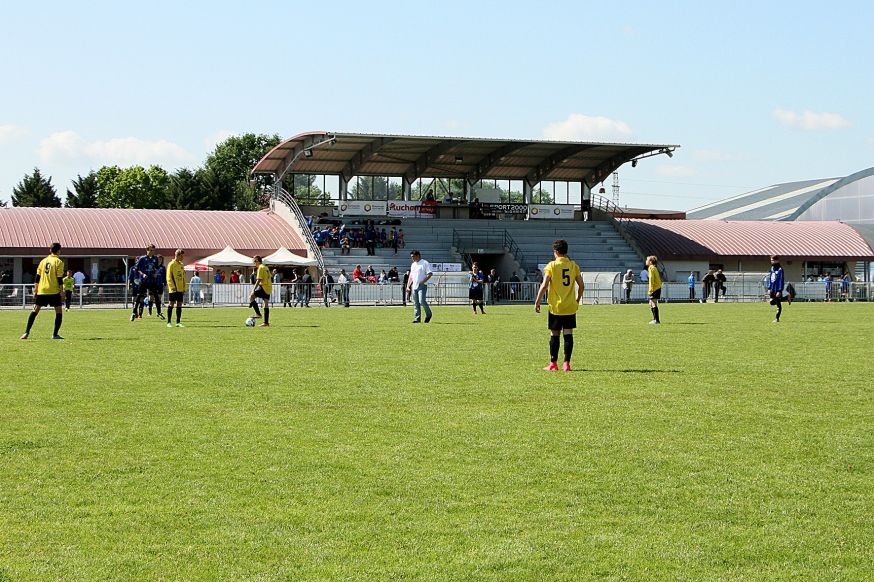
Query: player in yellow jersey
x=559 y=277
x=176 y=288
x=263 y=288
x=69 y=284
x=655 y=287
x=47 y=290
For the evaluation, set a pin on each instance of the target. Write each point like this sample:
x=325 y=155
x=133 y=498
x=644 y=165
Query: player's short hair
x=179 y=252
x=257 y=258
x=775 y=257
x=560 y=246
x=652 y=259
x=55 y=248
x=150 y=246
x=415 y=254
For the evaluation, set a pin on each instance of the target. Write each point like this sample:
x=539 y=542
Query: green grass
x=350 y=444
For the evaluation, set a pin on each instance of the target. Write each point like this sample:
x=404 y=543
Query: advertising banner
x=504 y=208
x=409 y=209
x=362 y=207
x=446 y=267
x=554 y=211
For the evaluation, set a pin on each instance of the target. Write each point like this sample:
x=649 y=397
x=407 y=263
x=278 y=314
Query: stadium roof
x=354 y=154
x=779 y=202
x=121 y=231
x=709 y=238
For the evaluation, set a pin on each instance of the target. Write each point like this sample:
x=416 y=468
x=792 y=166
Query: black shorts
x=559 y=322
x=260 y=293
x=475 y=294
x=157 y=290
x=48 y=300
x=657 y=294
x=177 y=296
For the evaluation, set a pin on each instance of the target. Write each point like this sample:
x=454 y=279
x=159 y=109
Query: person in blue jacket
x=775 y=286
x=692 y=286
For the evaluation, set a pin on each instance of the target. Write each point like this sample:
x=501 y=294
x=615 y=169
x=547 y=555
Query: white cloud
x=67 y=146
x=672 y=171
x=712 y=156
x=871 y=141
x=10 y=133
x=210 y=141
x=579 y=127
x=811 y=119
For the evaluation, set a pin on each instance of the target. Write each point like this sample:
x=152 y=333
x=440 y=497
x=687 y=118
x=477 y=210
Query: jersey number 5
x=565 y=278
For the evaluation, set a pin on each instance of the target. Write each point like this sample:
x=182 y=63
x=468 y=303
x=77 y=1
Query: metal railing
x=469 y=242
x=284 y=197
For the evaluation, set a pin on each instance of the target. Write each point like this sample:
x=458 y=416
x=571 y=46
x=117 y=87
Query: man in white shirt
x=420 y=273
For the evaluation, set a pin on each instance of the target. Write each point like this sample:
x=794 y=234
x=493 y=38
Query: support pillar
x=408 y=188
x=344 y=189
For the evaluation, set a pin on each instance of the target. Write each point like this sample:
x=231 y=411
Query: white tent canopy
x=284 y=257
x=227 y=257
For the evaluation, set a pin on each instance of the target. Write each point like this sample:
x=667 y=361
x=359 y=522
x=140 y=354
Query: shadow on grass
x=629 y=370
x=111 y=339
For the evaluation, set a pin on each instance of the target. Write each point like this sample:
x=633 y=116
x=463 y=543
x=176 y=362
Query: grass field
x=350 y=444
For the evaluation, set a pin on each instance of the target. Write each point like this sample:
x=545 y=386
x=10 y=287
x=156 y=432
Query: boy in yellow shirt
x=559 y=277
x=47 y=290
x=655 y=287
x=176 y=288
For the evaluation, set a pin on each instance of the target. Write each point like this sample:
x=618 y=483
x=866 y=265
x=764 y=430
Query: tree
x=231 y=163
x=134 y=187
x=35 y=190
x=234 y=158
x=84 y=193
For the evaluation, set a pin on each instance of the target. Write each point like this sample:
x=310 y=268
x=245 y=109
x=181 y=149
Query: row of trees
x=222 y=183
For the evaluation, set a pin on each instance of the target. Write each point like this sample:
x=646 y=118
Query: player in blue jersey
x=775 y=286
x=146 y=269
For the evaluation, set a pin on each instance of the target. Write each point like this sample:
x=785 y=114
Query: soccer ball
x=250 y=322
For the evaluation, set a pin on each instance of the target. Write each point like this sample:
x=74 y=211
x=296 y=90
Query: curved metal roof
x=122 y=231
x=709 y=238
x=355 y=154
x=778 y=202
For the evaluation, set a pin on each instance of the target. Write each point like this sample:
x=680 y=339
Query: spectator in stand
x=235 y=276
x=393 y=276
x=357 y=274
x=709 y=279
x=828 y=287
x=644 y=276
x=370 y=275
x=495 y=286
x=383 y=238
x=383 y=278
x=345 y=246
x=342 y=289
x=327 y=283
x=720 y=284
x=845 y=287
x=194 y=288
x=691 y=286
x=218 y=277
x=307 y=283
x=476 y=208
x=79 y=278
x=628 y=282
x=394 y=239
x=401 y=242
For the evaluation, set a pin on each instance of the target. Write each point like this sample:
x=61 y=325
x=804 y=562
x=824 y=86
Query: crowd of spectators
x=367 y=236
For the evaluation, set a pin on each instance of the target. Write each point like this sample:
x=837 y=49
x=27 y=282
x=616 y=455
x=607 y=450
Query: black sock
x=266 y=314
x=474 y=307
x=568 y=346
x=254 y=306
x=178 y=313
x=58 y=318
x=481 y=308
x=655 y=312
x=158 y=307
x=30 y=319
x=553 y=348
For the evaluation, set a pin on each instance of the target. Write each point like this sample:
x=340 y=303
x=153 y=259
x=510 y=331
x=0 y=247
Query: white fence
x=116 y=296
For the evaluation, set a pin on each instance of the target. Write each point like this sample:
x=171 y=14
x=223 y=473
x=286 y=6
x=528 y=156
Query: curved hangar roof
x=689 y=239
x=355 y=154
x=123 y=231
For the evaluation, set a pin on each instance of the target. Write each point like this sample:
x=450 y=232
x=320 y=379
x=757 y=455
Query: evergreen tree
x=35 y=190
x=84 y=194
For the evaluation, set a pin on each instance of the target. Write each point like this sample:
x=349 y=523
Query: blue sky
x=755 y=93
